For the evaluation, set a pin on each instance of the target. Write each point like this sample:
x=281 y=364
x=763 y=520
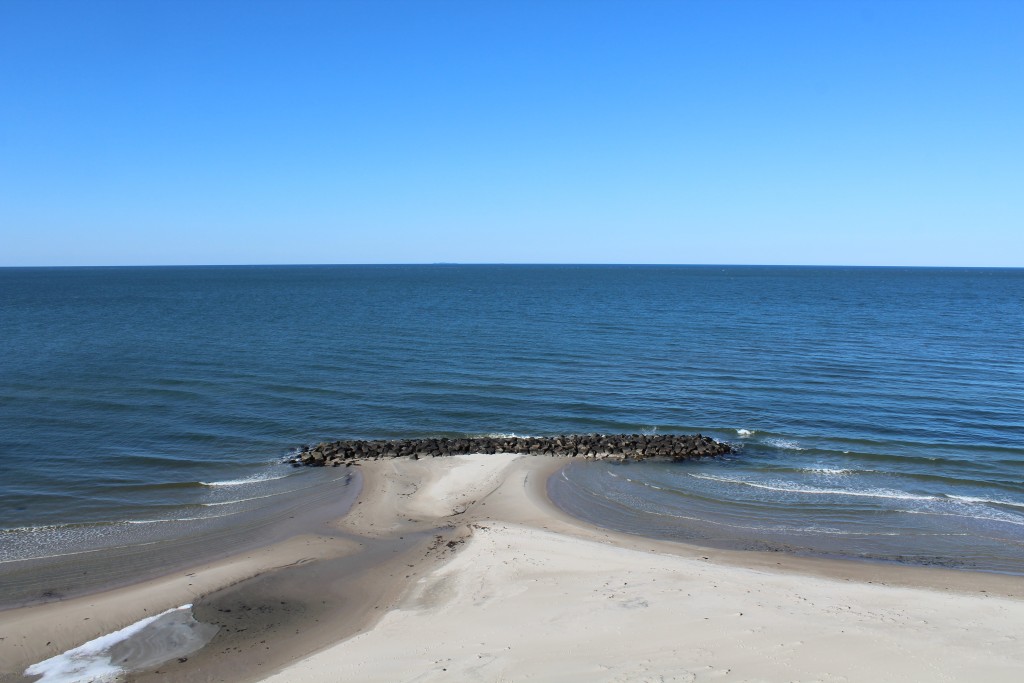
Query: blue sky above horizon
x=848 y=133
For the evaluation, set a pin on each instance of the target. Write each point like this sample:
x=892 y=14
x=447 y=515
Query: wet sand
x=78 y=573
x=461 y=569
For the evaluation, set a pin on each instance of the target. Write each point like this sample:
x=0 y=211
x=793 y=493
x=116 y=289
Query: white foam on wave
x=50 y=527
x=177 y=519
x=91 y=661
x=993 y=516
x=253 y=479
x=773 y=528
x=830 y=531
x=985 y=501
x=345 y=476
x=745 y=433
x=785 y=444
x=830 y=470
x=790 y=487
x=104 y=524
x=58 y=537
x=245 y=500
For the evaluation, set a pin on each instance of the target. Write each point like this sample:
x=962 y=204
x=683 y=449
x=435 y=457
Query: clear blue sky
x=827 y=132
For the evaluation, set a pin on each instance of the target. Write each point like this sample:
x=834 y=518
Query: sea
x=877 y=414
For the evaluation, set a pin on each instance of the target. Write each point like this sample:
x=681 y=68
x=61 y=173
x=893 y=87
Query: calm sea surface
x=879 y=412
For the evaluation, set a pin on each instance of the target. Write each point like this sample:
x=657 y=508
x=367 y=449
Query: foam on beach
x=147 y=642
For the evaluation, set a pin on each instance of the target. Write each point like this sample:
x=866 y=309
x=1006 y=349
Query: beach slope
x=527 y=593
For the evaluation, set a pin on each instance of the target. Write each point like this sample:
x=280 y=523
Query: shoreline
x=704 y=530
x=80 y=573
x=428 y=539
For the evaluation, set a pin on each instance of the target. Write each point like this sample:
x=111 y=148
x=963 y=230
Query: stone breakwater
x=595 y=446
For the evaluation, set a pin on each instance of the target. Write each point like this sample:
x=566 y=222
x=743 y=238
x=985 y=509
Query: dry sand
x=460 y=569
x=534 y=595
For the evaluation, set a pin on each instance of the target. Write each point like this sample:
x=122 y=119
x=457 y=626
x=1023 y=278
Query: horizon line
x=509 y=263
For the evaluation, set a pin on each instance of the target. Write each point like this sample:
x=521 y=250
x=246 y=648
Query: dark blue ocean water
x=879 y=411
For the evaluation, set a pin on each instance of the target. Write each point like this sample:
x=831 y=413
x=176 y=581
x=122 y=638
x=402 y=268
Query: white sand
x=459 y=484
x=532 y=595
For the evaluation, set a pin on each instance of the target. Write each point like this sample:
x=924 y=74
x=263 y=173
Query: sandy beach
x=460 y=568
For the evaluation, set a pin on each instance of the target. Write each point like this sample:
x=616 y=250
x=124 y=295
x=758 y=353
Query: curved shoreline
x=425 y=536
x=579 y=494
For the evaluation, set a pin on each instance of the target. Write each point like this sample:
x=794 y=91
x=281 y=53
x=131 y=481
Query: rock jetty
x=594 y=446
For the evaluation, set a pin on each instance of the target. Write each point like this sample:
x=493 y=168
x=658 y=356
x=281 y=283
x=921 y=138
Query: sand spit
x=533 y=595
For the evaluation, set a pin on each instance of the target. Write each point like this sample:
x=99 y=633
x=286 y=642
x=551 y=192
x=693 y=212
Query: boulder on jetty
x=593 y=446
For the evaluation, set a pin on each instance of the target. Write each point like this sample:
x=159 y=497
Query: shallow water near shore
x=813 y=503
x=97 y=557
x=877 y=411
